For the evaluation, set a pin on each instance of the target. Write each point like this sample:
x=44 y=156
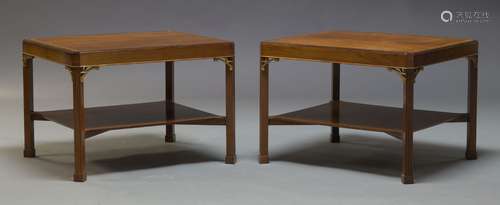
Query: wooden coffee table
x=404 y=54
x=85 y=53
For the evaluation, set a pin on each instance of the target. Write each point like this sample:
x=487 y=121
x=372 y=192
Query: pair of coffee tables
x=404 y=54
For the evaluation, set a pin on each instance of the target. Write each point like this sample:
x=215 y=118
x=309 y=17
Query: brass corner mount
x=226 y=60
x=264 y=61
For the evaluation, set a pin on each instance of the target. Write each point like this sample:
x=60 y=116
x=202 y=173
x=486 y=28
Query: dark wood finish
x=84 y=53
x=463 y=118
x=362 y=117
x=396 y=135
x=29 y=139
x=169 y=97
x=89 y=134
x=106 y=49
x=134 y=115
x=405 y=54
x=472 y=108
x=264 y=111
x=36 y=116
x=77 y=76
x=369 y=48
x=407 y=121
x=335 y=135
x=230 y=112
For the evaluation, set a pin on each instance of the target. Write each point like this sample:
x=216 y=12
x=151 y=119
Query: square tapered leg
x=471 y=153
x=407 y=120
x=78 y=74
x=169 y=97
x=230 y=111
x=335 y=134
x=29 y=138
x=264 y=110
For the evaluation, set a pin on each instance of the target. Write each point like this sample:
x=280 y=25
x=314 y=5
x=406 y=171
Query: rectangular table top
x=122 y=48
x=370 y=48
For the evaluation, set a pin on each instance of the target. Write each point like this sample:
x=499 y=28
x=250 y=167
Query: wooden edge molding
x=127 y=56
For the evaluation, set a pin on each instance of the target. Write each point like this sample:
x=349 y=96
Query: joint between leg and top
x=407 y=73
x=265 y=61
x=228 y=61
x=27 y=58
x=84 y=70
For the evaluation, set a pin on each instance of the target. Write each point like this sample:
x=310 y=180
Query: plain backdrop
x=133 y=166
x=246 y=23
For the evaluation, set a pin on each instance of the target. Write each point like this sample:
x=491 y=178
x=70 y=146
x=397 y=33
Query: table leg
x=264 y=110
x=335 y=135
x=471 y=153
x=169 y=98
x=408 y=77
x=77 y=75
x=29 y=138
x=230 y=111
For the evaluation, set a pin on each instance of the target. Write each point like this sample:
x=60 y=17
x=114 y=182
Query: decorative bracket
x=226 y=60
x=404 y=72
x=265 y=61
x=83 y=70
x=472 y=58
x=27 y=57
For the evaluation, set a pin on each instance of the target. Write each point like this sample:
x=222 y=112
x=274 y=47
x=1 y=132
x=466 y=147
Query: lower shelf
x=364 y=117
x=99 y=119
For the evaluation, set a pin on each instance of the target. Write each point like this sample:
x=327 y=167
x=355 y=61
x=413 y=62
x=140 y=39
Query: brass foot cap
x=263 y=159
x=80 y=178
x=169 y=139
x=334 y=139
x=470 y=155
x=407 y=179
x=230 y=159
x=29 y=153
